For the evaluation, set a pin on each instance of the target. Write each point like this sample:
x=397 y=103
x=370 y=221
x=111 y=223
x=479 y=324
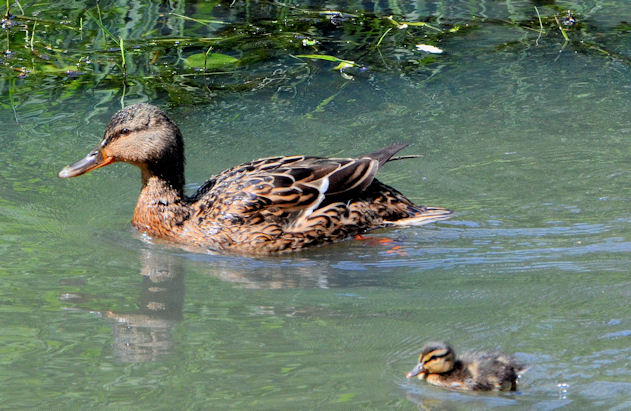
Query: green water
x=528 y=141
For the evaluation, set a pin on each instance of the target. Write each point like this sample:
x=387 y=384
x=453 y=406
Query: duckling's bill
x=93 y=160
x=418 y=370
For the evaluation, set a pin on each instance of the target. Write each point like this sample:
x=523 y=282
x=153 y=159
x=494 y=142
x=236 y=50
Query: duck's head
x=436 y=358
x=140 y=134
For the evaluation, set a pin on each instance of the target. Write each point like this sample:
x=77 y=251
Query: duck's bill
x=415 y=371
x=94 y=159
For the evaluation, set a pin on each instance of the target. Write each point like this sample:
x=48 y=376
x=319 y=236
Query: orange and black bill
x=94 y=159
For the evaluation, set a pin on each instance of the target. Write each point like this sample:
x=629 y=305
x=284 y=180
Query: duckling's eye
x=125 y=131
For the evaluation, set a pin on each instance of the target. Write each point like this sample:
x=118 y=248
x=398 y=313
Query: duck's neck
x=161 y=208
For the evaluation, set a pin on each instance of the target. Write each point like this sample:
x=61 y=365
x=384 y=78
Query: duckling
x=270 y=205
x=477 y=371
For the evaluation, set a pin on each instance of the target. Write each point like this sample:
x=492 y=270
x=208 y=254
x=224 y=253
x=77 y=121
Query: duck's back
x=491 y=371
x=276 y=188
x=283 y=203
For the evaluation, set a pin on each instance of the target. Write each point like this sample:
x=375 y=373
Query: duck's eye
x=125 y=131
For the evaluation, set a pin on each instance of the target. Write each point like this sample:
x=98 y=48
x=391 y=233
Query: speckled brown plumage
x=269 y=205
x=476 y=371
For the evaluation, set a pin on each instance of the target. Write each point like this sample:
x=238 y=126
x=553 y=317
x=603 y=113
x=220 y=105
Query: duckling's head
x=140 y=134
x=436 y=358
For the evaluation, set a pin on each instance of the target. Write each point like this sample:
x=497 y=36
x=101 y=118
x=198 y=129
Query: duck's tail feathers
x=385 y=154
x=422 y=216
x=405 y=157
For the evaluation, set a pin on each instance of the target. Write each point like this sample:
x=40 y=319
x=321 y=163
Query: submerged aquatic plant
x=192 y=50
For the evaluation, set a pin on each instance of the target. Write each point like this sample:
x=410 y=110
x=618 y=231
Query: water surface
x=529 y=142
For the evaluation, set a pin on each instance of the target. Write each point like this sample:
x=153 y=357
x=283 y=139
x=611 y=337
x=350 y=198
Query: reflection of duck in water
x=144 y=334
x=478 y=371
x=275 y=204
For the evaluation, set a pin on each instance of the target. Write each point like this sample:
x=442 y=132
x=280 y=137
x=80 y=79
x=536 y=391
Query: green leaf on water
x=209 y=61
x=49 y=68
x=347 y=63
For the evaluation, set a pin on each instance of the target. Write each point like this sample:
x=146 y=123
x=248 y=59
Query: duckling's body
x=477 y=371
x=269 y=205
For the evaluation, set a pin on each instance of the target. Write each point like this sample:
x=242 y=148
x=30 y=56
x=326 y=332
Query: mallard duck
x=274 y=204
x=477 y=371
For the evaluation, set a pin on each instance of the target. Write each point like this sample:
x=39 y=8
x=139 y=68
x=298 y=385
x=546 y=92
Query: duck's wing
x=292 y=183
x=494 y=371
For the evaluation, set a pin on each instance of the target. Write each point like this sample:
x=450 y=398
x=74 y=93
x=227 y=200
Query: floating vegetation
x=192 y=51
x=208 y=61
x=429 y=48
